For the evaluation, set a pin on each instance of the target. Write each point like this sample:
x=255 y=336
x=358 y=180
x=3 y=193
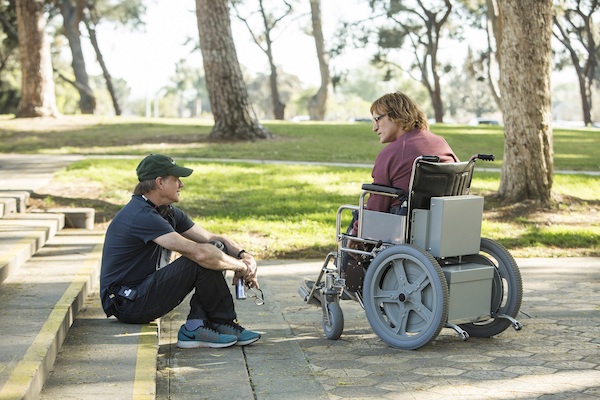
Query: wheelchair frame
x=417 y=273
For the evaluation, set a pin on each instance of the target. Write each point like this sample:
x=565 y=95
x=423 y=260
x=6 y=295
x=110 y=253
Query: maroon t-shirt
x=393 y=165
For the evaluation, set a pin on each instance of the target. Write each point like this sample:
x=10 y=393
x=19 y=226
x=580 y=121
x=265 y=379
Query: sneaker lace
x=208 y=331
x=236 y=327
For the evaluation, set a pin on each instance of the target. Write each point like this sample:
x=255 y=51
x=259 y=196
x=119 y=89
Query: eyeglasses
x=377 y=118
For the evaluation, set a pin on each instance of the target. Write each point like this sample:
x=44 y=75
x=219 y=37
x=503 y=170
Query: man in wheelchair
x=402 y=124
x=413 y=256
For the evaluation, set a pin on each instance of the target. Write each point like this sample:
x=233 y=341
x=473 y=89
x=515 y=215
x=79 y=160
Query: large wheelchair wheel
x=405 y=297
x=507 y=288
x=333 y=325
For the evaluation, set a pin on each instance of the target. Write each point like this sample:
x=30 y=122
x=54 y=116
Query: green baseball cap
x=156 y=165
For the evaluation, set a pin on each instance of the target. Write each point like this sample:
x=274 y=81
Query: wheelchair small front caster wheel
x=333 y=322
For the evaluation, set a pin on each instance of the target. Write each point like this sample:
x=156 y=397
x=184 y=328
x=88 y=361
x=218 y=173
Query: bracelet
x=239 y=255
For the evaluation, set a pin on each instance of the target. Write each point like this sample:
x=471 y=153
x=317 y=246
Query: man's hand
x=250 y=275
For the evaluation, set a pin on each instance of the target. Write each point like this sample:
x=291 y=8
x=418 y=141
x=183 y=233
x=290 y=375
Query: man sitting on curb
x=138 y=280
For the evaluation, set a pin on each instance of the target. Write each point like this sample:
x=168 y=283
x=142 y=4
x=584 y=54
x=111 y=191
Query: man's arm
x=194 y=245
x=198 y=234
x=204 y=254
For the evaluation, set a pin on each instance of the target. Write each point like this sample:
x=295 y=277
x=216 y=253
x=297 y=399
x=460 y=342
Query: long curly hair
x=402 y=110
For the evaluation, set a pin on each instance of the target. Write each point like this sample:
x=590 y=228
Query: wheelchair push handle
x=430 y=158
x=484 y=157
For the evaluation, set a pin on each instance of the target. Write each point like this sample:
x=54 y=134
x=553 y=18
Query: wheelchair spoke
x=401 y=327
x=425 y=313
x=386 y=295
x=417 y=284
x=400 y=271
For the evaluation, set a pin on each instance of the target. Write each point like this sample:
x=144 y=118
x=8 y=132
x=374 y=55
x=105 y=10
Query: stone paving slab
x=557 y=353
x=104 y=359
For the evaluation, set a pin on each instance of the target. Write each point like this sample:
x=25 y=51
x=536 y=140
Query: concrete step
x=104 y=359
x=7 y=206
x=76 y=217
x=39 y=302
x=20 y=198
x=22 y=235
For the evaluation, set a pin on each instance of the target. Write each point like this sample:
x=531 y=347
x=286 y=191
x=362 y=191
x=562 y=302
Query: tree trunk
x=37 y=98
x=278 y=105
x=494 y=30
x=234 y=117
x=436 y=101
x=525 y=67
x=71 y=19
x=317 y=105
x=269 y=22
x=580 y=25
x=105 y=73
x=585 y=91
x=428 y=64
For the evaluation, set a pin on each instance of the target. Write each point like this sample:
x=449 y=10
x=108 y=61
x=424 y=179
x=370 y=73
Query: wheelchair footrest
x=304 y=292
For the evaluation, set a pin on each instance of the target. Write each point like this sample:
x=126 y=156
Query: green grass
x=288 y=210
x=574 y=149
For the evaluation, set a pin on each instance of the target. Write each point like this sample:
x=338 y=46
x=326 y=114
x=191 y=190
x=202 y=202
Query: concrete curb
x=104 y=358
x=26 y=378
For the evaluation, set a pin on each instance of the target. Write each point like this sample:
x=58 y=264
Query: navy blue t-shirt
x=129 y=253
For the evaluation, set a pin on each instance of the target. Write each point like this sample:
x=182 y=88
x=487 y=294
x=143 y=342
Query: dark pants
x=166 y=288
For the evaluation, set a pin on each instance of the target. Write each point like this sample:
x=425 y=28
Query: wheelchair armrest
x=371 y=187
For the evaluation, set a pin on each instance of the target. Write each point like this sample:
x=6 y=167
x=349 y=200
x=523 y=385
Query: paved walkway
x=30 y=171
x=555 y=356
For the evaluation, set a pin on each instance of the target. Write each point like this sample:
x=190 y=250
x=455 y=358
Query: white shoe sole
x=246 y=342
x=194 y=344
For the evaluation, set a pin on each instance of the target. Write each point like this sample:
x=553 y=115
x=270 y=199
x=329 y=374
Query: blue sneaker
x=244 y=336
x=203 y=337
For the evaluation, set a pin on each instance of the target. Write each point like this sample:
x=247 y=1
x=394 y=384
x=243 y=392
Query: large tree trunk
x=37 y=85
x=525 y=67
x=317 y=105
x=234 y=117
x=71 y=18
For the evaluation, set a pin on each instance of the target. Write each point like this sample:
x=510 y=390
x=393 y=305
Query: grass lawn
x=574 y=149
x=288 y=210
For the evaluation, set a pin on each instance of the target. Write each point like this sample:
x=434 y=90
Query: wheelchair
x=425 y=268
